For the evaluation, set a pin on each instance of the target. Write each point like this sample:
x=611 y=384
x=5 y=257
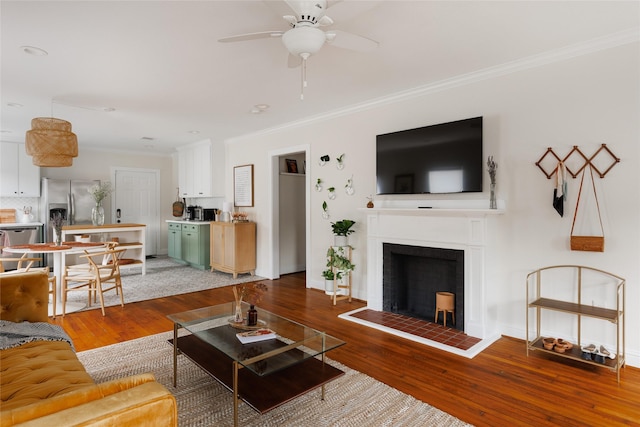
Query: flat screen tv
x=442 y=158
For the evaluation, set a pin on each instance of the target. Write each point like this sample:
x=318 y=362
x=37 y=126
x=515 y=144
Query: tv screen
x=442 y=158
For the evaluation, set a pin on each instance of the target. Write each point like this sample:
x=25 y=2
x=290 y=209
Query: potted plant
x=341 y=231
x=338 y=265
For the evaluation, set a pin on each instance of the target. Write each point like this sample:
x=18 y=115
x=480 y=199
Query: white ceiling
x=160 y=66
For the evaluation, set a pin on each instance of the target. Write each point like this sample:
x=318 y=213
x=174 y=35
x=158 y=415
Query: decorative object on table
x=243 y=185
x=252 y=316
x=340 y=160
x=587 y=243
x=249 y=292
x=319 y=185
x=324 y=160
x=341 y=230
x=492 y=168
x=51 y=143
x=332 y=193
x=292 y=165
x=178 y=206
x=258 y=335
x=348 y=187
x=239 y=217
x=325 y=210
x=370 y=202
x=227 y=210
x=99 y=192
x=57 y=222
x=560 y=190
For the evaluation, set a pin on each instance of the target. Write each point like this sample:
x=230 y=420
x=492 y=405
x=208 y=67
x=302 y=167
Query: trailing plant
x=337 y=260
x=343 y=228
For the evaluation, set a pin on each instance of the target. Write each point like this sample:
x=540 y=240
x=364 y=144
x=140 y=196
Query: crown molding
x=620 y=38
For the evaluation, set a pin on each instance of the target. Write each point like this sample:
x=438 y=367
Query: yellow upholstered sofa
x=42 y=382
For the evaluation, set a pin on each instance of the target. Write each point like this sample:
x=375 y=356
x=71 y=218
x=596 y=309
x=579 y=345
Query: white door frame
x=114 y=170
x=274 y=207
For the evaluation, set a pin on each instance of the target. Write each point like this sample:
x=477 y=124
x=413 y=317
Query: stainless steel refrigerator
x=70 y=198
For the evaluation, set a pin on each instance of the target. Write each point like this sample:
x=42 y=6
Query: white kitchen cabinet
x=194 y=170
x=19 y=177
x=217 y=170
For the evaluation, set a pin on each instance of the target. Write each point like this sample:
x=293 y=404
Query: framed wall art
x=243 y=185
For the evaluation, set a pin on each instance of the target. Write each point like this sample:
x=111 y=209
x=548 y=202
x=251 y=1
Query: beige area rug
x=164 y=277
x=353 y=399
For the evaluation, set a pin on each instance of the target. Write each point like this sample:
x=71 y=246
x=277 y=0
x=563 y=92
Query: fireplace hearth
x=413 y=274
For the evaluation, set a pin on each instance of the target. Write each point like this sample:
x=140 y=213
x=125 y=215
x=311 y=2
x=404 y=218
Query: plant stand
x=345 y=283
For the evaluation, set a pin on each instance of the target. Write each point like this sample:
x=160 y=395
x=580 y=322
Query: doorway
x=136 y=201
x=290 y=218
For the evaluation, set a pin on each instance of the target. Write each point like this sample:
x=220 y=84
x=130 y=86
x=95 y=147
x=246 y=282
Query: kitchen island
x=129 y=236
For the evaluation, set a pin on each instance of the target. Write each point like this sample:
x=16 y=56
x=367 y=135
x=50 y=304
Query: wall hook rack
x=586 y=161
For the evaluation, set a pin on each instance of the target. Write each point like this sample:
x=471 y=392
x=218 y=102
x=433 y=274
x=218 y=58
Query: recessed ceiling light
x=32 y=50
x=108 y=109
x=259 y=108
x=14 y=104
x=147 y=138
x=5 y=131
x=194 y=132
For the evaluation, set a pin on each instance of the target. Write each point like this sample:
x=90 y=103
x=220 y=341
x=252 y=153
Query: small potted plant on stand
x=338 y=266
x=341 y=231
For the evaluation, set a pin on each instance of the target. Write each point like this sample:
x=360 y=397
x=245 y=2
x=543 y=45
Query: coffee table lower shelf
x=262 y=393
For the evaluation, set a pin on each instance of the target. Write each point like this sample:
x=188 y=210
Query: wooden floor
x=499 y=387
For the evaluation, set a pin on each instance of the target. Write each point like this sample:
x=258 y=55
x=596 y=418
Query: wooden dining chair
x=25 y=263
x=103 y=275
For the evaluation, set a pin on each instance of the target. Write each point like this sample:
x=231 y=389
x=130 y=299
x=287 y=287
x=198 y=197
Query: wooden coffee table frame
x=261 y=392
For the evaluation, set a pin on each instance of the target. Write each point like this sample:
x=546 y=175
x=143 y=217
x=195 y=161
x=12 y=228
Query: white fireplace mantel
x=448 y=228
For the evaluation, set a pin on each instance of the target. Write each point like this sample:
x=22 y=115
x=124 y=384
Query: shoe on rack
x=591 y=348
x=606 y=353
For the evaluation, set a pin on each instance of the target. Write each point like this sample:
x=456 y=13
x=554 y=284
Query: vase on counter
x=492 y=196
x=237 y=317
x=97 y=214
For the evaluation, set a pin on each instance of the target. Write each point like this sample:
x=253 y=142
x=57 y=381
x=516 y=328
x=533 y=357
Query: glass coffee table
x=263 y=374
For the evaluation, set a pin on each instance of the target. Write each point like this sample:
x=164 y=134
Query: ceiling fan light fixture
x=51 y=143
x=301 y=40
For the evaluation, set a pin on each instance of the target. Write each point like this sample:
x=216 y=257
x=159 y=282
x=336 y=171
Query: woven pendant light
x=51 y=142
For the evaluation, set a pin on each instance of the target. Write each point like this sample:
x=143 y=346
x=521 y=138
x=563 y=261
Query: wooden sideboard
x=233 y=247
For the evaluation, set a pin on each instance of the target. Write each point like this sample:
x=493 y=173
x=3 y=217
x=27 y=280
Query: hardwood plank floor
x=501 y=386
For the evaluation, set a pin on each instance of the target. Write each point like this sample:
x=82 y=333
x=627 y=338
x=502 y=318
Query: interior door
x=136 y=196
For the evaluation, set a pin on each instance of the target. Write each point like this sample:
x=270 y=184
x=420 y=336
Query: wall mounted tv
x=442 y=158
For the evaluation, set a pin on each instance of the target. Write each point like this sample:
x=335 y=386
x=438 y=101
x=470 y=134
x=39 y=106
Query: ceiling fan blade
x=294 y=61
x=345 y=40
x=252 y=36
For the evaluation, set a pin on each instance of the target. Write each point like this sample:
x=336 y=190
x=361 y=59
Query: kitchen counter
x=20 y=224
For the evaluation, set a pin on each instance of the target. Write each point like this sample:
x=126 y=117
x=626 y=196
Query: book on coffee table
x=261 y=334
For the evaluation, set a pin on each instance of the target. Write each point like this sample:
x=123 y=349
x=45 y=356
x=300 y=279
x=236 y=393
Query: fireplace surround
x=463 y=229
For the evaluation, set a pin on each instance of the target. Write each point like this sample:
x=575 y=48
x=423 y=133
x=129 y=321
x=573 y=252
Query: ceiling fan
x=305 y=38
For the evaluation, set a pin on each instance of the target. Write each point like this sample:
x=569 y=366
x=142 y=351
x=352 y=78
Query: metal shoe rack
x=538 y=303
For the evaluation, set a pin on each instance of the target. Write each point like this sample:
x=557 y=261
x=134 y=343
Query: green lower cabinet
x=175 y=241
x=195 y=245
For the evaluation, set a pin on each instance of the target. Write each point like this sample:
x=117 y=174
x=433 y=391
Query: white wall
x=585 y=101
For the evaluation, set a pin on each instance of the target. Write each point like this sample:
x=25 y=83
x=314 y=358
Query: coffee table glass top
x=294 y=342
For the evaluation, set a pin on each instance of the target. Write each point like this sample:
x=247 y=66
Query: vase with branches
x=99 y=192
x=57 y=222
x=249 y=292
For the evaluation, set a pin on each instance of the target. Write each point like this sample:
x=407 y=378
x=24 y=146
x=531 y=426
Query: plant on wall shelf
x=325 y=212
x=348 y=188
x=332 y=193
x=319 y=185
x=340 y=160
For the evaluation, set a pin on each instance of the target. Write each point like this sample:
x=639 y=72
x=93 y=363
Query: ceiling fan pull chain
x=303 y=70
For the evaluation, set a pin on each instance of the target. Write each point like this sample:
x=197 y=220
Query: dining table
x=59 y=252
